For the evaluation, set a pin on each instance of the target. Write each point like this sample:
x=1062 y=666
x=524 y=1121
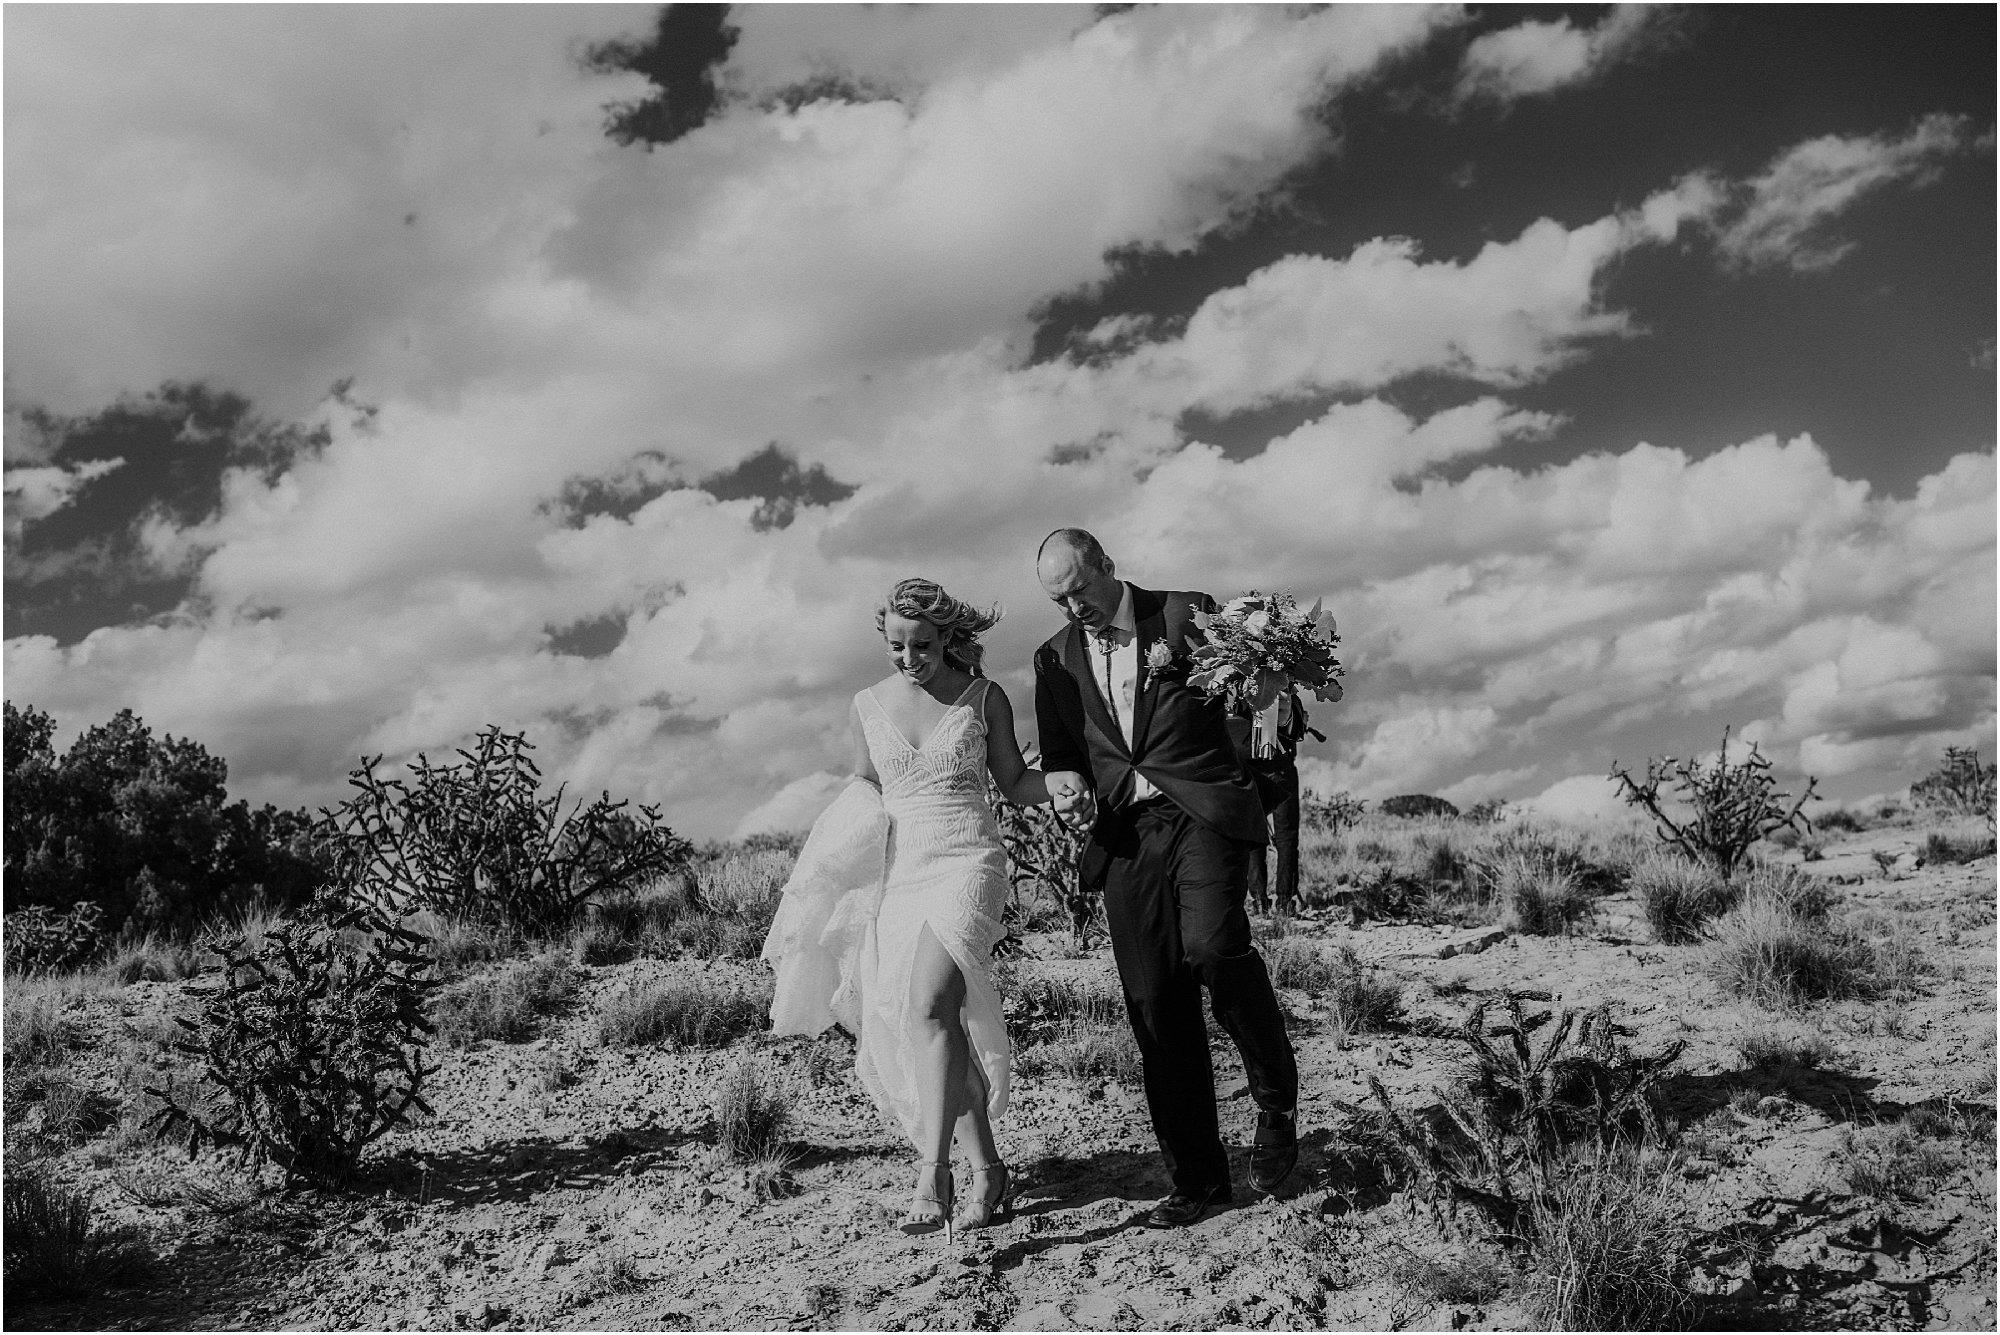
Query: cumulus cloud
x=589 y=393
x=1540 y=56
x=1784 y=218
x=38 y=492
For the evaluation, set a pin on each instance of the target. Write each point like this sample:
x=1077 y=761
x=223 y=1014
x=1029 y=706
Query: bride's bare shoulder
x=884 y=690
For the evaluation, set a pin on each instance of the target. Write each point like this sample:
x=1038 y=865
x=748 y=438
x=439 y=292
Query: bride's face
x=915 y=647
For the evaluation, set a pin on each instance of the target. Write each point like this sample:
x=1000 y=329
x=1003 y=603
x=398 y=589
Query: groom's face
x=1087 y=595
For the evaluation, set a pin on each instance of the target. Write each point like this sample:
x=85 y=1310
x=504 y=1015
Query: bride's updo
x=960 y=622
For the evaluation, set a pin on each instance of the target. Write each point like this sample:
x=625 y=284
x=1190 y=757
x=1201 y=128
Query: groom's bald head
x=1082 y=542
x=1078 y=577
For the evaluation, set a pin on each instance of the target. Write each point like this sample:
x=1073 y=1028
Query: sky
x=1616 y=375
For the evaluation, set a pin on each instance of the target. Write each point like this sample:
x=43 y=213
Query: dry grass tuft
x=154 y=958
x=752 y=1112
x=1681 y=896
x=507 y=1003
x=1542 y=897
x=1466 y=1277
x=1766 y=1050
x=56 y=1248
x=1781 y=958
x=690 y=1014
x=1613 y=1246
x=1903 y=1160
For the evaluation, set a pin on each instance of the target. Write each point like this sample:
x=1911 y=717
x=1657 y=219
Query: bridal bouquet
x=1260 y=651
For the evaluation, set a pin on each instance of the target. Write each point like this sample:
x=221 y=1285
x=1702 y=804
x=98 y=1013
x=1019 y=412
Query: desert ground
x=1830 y=1161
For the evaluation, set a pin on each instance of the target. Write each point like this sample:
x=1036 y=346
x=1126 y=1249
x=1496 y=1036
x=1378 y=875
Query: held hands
x=1072 y=798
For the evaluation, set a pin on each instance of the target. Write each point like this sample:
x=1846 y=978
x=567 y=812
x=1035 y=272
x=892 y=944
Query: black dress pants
x=1173 y=900
x=1278 y=880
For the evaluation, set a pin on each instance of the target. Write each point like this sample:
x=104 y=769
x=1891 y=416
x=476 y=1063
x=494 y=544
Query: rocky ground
x=564 y=1184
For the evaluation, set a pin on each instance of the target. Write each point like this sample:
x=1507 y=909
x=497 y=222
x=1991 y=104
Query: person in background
x=1277 y=779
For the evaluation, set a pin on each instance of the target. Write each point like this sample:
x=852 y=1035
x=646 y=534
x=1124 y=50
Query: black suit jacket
x=1180 y=737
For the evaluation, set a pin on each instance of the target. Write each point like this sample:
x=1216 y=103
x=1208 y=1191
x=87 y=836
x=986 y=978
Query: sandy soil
x=601 y=1204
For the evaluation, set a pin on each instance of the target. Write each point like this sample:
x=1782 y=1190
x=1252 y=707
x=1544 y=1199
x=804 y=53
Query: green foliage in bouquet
x=477 y=840
x=314 y=1041
x=1259 y=645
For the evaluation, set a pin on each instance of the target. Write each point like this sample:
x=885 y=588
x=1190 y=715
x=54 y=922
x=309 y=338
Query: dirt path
x=565 y=1185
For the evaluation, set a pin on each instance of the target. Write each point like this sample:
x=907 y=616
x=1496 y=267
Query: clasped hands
x=1072 y=798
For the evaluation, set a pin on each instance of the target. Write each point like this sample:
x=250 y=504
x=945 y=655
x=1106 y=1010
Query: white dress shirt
x=1117 y=676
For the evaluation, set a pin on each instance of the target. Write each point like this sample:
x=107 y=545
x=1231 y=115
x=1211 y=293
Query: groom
x=1124 y=736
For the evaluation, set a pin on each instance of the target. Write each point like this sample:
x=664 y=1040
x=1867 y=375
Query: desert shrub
x=1731 y=804
x=41 y=941
x=507 y=1003
x=138 y=826
x=1518 y=1104
x=1961 y=786
x=1838 y=819
x=1419 y=806
x=1489 y=812
x=752 y=1113
x=54 y=1245
x=1949 y=848
x=1329 y=815
x=1764 y=1049
x=1773 y=955
x=477 y=840
x=1613 y=1246
x=1680 y=896
x=315 y=1041
x=695 y=1013
x=1542 y=897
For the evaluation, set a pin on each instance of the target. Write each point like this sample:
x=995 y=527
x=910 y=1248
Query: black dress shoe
x=1274 y=1151
x=1179 y=1209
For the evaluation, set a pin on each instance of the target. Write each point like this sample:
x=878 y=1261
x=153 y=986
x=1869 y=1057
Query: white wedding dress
x=876 y=870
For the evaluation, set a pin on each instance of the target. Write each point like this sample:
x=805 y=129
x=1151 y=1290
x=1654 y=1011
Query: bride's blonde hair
x=960 y=622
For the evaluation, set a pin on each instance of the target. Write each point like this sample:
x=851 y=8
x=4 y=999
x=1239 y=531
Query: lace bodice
x=951 y=761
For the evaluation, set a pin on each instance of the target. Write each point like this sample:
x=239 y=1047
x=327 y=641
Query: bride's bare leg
x=943 y=1054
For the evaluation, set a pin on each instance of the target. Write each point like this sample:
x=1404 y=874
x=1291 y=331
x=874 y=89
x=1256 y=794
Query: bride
x=890 y=917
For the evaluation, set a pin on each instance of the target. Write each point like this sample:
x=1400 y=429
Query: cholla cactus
x=1732 y=805
x=1042 y=853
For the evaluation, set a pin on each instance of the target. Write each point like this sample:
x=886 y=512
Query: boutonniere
x=1160 y=657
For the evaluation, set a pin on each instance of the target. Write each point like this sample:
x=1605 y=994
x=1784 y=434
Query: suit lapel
x=1076 y=656
x=1148 y=614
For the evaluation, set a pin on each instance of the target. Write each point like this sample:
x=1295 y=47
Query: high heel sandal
x=928 y=1214
x=994 y=1204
